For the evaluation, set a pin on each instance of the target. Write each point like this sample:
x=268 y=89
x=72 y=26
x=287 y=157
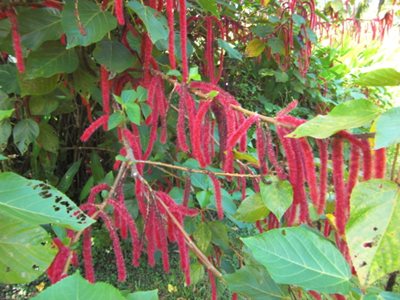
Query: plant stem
x=394 y=163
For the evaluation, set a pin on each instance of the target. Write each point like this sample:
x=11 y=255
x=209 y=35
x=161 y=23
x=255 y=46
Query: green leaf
x=76 y=287
x=277 y=196
x=347 y=115
x=254 y=282
x=95 y=22
x=251 y=209
x=25 y=132
x=37 y=26
x=5 y=114
x=156 y=24
x=43 y=105
x=230 y=50
x=114 y=55
x=25 y=251
x=37 y=86
x=299 y=20
x=143 y=295
x=194 y=74
x=281 y=76
x=196 y=272
x=133 y=112
x=115 y=120
x=276 y=45
x=372 y=231
x=382 y=296
x=301 y=257
x=68 y=177
x=96 y=167
x=48 y=138
x=36 y=202
x=5 y=132
x=2 y=157
x=202 y=236
x=219 y=234
x=387 y=128
x=243 y=156
x=50 y=59
x=8 y=84
x=379 y=77
x=141 y=93
x=209 y=6
x=254 y=48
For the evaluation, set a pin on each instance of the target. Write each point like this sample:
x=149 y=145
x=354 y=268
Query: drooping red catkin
x=87 y=255
x=86 y=103
x=135 y=242
x=367 y=159
x=152 y=140
x=96 y=190
x=180 y=127
x=161 y=235
x=309 y=167
x=341 y=201
x=327 y=228
x=119 y=258
x=119 y=11
x=133 y=139
x=171 y=34
x=197 y=150
x=183 y=28
x=150 y=236
x=207 y=141
x=315 y=295
x=102 y=121
x=105 y=89
x=272 y=157
x=173 y=207
x=234 y=296
x=354 y=165
x=209 y=51
x=300 y=196
x=323 y=174
x=55 y=271
x=217 y=195
x=213 y=284
x=183 y=251
x=286 y=110
x=186 y=191
x=16 y=40
x=380 y=163
x=261 y=148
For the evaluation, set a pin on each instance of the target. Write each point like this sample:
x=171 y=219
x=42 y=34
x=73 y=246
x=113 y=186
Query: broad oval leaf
x=299 y=256
x=38 y=25
x=155 y=23
x=347 y=115
x=38 y=86
x=387 y=128
x=76 y=287
x=277 y=196
x=143 y=295
x=24 y=133
x=254 y=282
x=5 y=114
x=209 y=6
x=50 y=59
x=372 y=231
x=25 y=251
x=379 y=77
x=48 y=138
x=254 y=48
x=251 y=209
x=114 y=55
x=94 y=22
x=230 y=49
x=36 y=202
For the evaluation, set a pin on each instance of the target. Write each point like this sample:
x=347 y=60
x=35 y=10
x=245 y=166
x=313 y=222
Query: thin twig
x=190 y=170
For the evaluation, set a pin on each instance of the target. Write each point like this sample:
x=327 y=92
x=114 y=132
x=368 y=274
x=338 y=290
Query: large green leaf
x=251 y=209
x=347 y=115
x=254 y=48
x=372 y=231
x=38 y=25
x=209 y=6
x=277 y=196
x=5 y=114
x=69 y=176
x=25 y=132
x=43 y=105
x=8 y=84
x=75 y=287
x=50 y=59
x=299 y=256
x=5 y=132
x=37 y=86
x=382 y=296
x=254 y=282
x=48 y=138
x=156 y=24
x=387 y=128
x=95 y=22
x=36 y=202
x=202 y=236
x=230 y=49
x=25 y=251
x=143 y=295
x=114 y=55
x=380 y=77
